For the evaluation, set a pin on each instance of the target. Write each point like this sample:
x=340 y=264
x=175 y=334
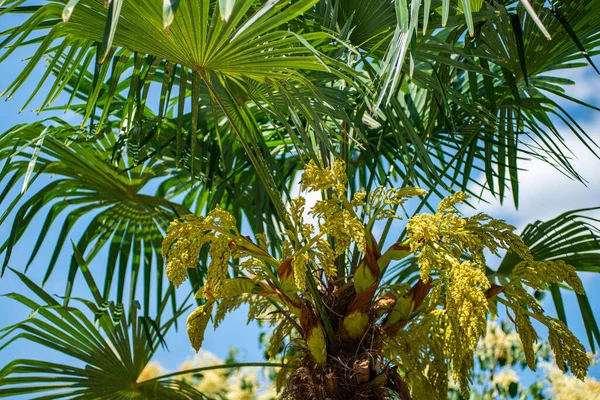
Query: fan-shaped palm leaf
x=109 y=345
x=78 y=181
x=113 y=351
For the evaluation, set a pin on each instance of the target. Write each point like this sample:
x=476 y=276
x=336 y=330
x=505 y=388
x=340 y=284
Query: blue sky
x=545 y=193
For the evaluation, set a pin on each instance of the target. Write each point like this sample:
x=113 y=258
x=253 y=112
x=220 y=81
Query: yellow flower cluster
x=440 y=241
x=340 y=223
x=300 y=267
x=185 y=237
x=467 y=309
x=225 y=307
x=254 y=268
x=182 y=243
x=282 y=331
x=296 y=212
x=326 y=256
x=380 y=200
x=217 y=270
x=316 y=178
x=449 y=232
x=197 y=322
x=528 y=336
x=538 y=274
x=567 y=348
x=519 y=296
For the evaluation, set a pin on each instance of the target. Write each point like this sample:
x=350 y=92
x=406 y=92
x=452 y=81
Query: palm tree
x=186 y=105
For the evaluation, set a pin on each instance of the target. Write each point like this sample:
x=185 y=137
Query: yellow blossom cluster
x=538 y=274
x=225 y=307
x=186 y=236
x=300 y=267
x=316 y=178
x=217 y=270
x=184 y=239
x=379 y=202
x=339 y=223
x=197 y=322
x=440 y=243
x=527 y=334
x=452 y=234
x=567 y=348
x=297 y=213
x=326 y=256
x=467 y=308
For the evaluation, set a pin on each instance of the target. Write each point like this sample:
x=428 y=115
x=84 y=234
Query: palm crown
x=189 y=105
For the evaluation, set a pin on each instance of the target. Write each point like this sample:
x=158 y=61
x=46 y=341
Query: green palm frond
x=124 y=199
x=109 y=347
x=483 y=103
x=473 y=107
x=250 y=46
x=200 y=51
x=402 y=43
x=79 y=180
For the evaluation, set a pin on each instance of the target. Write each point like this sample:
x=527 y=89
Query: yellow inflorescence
x=227 y=306
x=528 y=336
x=217 y=269
x=380 y=201
x=326 y=256
x=467 y=309
x=300 y=267
x=441 y=334
x=539 y=274
x=453 y=233
x=439 y=242
x=316 y=178
x=197 y=322
x=184 y=239
x=567 y=348
x=341 y=224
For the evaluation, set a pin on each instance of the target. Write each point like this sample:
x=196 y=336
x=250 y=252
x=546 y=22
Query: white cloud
x=545 y=193
x=587 y=83
x=310 y=197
